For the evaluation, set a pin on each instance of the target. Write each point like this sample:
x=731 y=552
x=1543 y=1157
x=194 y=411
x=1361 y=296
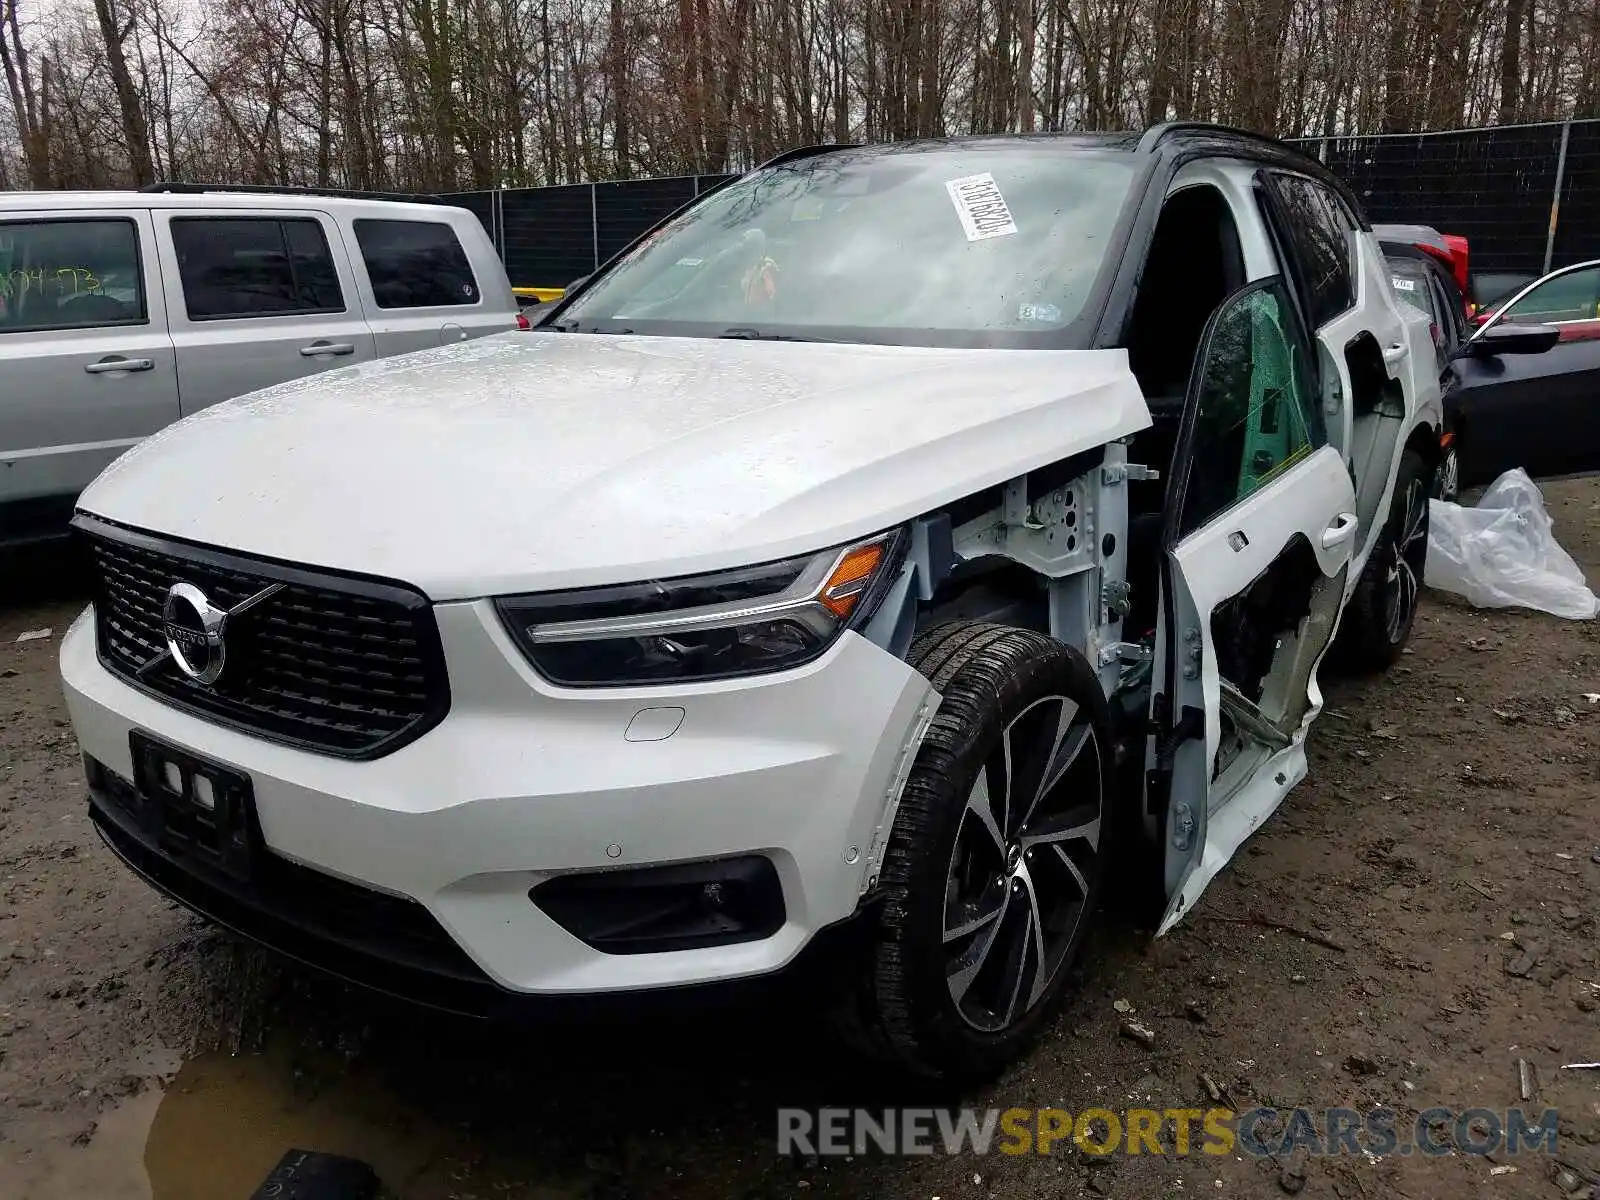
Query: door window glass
x=1451 y=312
x=1447 y=299
x=1256 y=413
x=255 y=267
x=1409 y=278
x=1489 y=288
x=1319 y=240
x=69 y=275
x=1574 y=296
x=415 y=264
x=1415 y=283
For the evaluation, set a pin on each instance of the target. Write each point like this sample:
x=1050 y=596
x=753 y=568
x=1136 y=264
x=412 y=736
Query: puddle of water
x=111 y=1166
x=223 y=1122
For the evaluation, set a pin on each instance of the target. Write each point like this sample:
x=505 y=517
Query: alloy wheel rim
x=1017 y=887
x=1449 y=472
x=1405 y=570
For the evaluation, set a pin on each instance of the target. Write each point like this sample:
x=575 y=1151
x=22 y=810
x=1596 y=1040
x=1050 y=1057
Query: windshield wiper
x=751 y=334
x=570 y=325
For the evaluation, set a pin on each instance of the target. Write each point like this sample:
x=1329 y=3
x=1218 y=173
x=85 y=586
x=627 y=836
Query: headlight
x=718 y=626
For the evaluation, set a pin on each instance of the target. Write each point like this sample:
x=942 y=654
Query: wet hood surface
x=535 y=461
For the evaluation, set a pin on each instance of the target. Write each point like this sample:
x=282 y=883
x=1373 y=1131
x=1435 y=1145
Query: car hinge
x=1115 y=597
x=1116 y=473
x=1169 y=736
x=1126 y=652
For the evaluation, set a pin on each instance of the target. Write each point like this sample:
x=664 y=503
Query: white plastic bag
x=1503 y=554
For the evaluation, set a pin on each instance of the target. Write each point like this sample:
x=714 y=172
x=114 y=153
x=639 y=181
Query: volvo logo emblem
x=194 y=629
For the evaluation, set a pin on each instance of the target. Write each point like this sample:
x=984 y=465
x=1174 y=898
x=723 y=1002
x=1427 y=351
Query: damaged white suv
x=858 y=553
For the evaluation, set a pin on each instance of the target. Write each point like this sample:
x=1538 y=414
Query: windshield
x=938 y=245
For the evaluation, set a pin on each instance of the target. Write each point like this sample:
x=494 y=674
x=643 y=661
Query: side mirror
x=1507 y=338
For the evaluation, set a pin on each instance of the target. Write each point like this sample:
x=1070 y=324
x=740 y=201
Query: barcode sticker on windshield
x=981 y=207
x=1403 y=285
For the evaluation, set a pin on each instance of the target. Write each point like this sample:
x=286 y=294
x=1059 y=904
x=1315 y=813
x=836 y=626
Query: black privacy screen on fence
x=549 y=236
x=1578 y=225
x=1496 y=186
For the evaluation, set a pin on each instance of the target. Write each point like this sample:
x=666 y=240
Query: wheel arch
x=1426 y=441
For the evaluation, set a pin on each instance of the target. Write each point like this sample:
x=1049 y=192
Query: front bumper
x=433 y=849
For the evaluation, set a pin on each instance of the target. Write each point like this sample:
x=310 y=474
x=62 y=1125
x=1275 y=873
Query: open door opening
x=1257 y=533
x=1377 y=412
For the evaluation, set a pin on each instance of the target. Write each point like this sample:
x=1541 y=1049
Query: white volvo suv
x=886 y=545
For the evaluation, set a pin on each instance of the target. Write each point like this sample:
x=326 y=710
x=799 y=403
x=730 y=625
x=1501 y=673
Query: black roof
x=1185 y=134
x=1175 y=142
x=1185 y=139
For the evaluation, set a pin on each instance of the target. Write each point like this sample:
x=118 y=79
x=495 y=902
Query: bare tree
x=30 y=99
x=435 y=95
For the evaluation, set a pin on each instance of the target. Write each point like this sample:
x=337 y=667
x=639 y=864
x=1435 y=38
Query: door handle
x=1396 y=354
x=329 y=348
x=1341 y=530
x=107 y=366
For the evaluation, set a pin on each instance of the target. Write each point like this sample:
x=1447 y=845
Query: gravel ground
x=1417 y=918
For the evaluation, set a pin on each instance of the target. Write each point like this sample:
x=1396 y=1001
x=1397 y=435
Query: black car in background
x=1488 y=288
x=1521 y=388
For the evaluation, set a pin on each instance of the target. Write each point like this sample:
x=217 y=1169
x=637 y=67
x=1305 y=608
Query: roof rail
x=268 y=189
x=1157 y=134
x=800 y=152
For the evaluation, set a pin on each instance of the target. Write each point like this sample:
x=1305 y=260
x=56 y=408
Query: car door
x=419 y=289
x=1540 y=412
x=1363 y=347
x=1259 y=527
x=256 y=298
x=88 y=364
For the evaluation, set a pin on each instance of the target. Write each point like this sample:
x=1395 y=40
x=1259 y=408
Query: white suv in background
x=121 y=312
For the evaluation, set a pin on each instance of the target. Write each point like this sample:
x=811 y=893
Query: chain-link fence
x=1527 y=197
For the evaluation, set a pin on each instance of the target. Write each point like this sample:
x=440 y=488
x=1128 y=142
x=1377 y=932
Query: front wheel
x=1378 y=621
x=995 y=858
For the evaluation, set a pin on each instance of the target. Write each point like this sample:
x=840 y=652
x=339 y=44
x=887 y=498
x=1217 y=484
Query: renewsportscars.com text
x=1257 y=1132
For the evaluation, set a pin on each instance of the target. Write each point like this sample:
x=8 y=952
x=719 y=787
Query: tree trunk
x=1027 y=35
x=134 y=130
x=325 y=97
x=33 y=117
x=620 y=97
x=1511 y=62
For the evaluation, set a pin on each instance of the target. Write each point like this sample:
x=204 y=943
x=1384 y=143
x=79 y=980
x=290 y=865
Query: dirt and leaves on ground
x=1416 y=927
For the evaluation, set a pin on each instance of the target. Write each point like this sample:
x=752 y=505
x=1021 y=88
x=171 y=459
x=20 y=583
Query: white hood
x=532 y=461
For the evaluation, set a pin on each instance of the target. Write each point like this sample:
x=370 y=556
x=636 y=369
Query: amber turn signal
x=850 y=578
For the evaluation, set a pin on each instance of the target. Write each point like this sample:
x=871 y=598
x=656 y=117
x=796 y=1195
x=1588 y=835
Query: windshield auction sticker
x=981 y=207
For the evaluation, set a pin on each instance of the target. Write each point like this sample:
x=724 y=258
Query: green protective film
x=1275 y=433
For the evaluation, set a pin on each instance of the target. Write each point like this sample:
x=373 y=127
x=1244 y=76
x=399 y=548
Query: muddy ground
x=1444 y=854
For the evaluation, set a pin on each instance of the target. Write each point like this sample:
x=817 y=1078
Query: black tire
x=1377 y=622
x=1002 y=687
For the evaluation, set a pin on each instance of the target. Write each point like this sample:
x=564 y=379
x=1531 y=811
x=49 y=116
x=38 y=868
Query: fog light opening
x=656 y=909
